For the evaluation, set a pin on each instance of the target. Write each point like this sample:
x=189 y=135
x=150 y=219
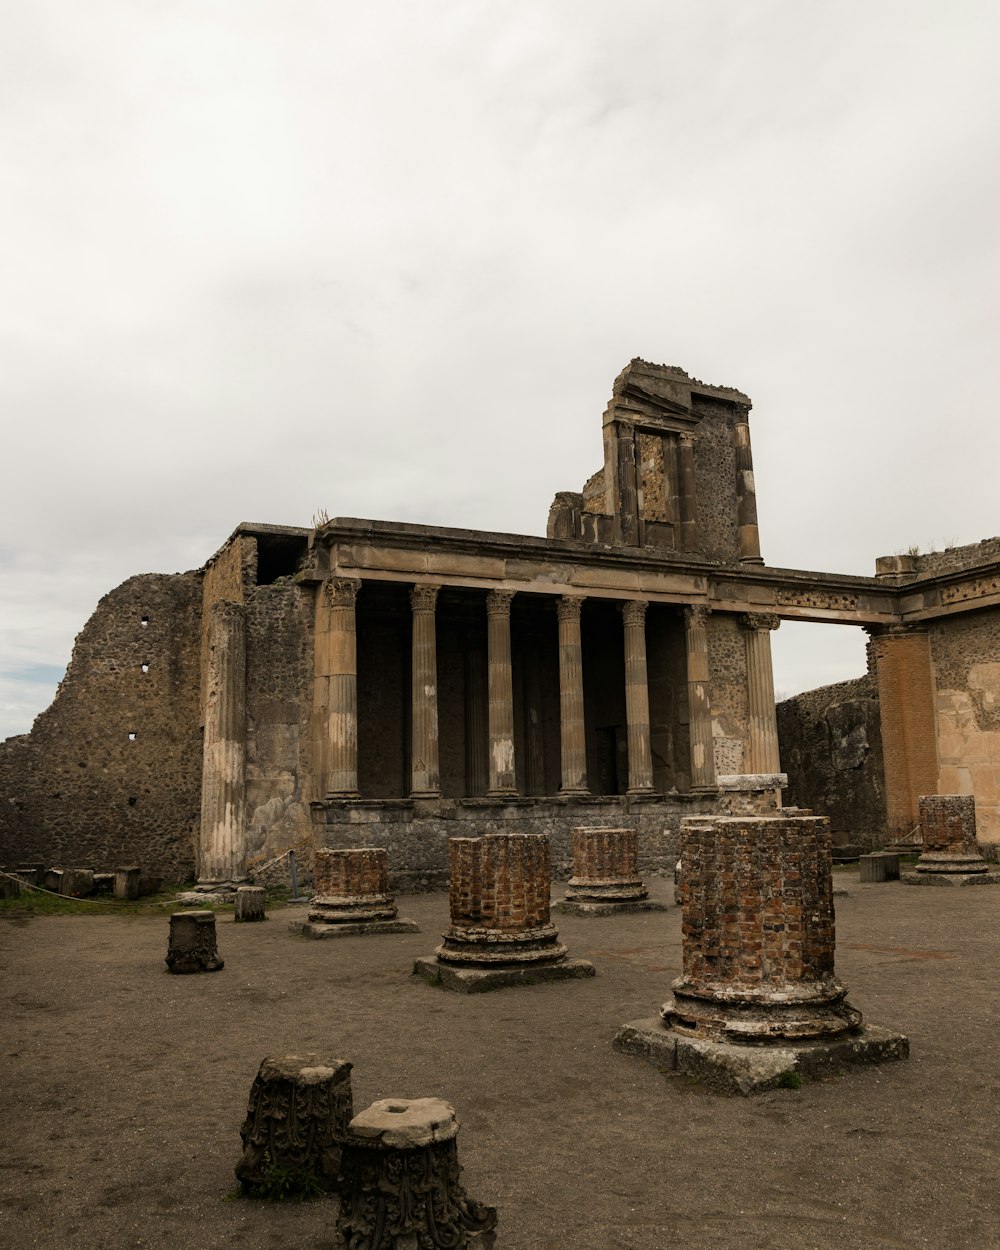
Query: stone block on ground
x=127 y=882
x=77 y=882
x=872 y=868
x=192 y=945
x=250 y=900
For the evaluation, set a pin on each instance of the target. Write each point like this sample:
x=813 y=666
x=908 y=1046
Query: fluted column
x=500 y=693
x=640 y=758
x=425 y=779
x=572 y=734
x=223 y=851
x=699 y=700
x=762 y=740
x=342 y=697
x=476 y=752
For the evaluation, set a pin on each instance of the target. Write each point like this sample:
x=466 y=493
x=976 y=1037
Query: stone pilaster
x=699 y=699
x=746 y=497
x=688 y=499
x=425 y=780
x=501 y=694
x=640 y=758
x=342 y=688
x=572 y=734
x=762 y=741
x=222 y=849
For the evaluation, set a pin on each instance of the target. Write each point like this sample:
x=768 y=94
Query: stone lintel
x=478 y=980
x=312 y=929
x=734 y=1069
x=950 y=878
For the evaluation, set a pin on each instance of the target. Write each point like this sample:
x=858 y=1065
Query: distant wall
x=830 y=742
x=78 y=790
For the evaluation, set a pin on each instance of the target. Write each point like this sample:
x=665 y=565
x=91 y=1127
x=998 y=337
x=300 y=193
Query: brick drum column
x=425 y=780
x=340 y=663
x=762 y=741
x=699 y=700
x=352 y=895
x=758 y=932
x=640 y=759
x=606 y=874
x=222 y=849
x=500 y=926
x=948 y=829
x=501 y=694
x=572 y=737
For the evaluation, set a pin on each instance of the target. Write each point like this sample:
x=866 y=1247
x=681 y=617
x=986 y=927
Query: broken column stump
x=758 y=1001
x=950 y=854
x=297 y=1118
x=500 y=932
x=605 y=880
x=192 y=945
x=250 y=900
x=127 y=882
x=400 y=1185
x=872 y=868
x=352 y=896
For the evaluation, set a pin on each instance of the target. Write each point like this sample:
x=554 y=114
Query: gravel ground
x=124 y=1087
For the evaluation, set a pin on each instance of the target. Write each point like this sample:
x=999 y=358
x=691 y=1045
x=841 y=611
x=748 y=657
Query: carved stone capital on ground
x=498 y=602
x=760 y=621
x=342 y=592
x=568 y=607
x=634 y=611
x=424 y=598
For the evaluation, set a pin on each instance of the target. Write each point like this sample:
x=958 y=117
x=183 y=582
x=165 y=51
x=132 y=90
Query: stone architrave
x=192 y=946
x=950 y=854
x=501 y=932
x=758 y=997
x=640 y=758
x=352 y=896
x=250 y=903
x=572 y=733
x=762 y=740
x=606 y=879
x=297 y=1118
x=500 y=697
x=127 y=882
x=425 y=779
x=222 y=850
x=699 y=699
x=400 y=1185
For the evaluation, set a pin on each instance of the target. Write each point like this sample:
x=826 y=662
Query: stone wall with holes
x=830 y=741
x=111 y=772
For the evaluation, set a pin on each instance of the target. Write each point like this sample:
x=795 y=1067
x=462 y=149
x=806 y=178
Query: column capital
x=696 y=614
x=423 y=598
x=498 y=602
x=568 y=607
x=634 y=611
x=762 y=621
x=342 y=592
x=685 y=438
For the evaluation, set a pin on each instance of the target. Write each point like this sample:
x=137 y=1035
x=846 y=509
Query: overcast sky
x=387 y=258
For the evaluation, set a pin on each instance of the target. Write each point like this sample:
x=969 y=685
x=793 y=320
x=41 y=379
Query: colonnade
x=336 y=694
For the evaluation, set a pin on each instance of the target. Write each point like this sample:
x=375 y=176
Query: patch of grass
x=33 y=903
x=284 y=1184
x=789 y=1080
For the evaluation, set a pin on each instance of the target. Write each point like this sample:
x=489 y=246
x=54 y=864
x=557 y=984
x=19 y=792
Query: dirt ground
x=124 y=1087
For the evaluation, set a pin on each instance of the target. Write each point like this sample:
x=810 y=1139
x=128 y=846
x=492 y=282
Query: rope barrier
x=26 y=885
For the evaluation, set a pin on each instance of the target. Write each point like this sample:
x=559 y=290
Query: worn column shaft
x=688 y=501
x=425 y=780
x=501 y=693
x=223 y=848
x=341 y=648
x=640 y=758
x=476 y=746
x=746 y=496
x=572 y=733
x=762 y=740
x=699 y=699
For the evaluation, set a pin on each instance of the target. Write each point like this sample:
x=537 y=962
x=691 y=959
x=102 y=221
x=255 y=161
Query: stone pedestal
x=10 y=885
x=127 y=882
x=192 y=945
x=250 y=901
x=500 y=932
x=758 y=959
x=950 y=853
x=77 y=882
x=606 y=879
x=297 y=1118
x=352 y=896
x=400 y=1185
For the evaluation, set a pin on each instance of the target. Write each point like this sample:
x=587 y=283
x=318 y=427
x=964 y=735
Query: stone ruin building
x=377 y=684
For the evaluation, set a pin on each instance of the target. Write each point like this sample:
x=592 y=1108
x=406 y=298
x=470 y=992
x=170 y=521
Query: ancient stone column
x=425 y=777
x=762 y=741
x=905 y=680
x=400 y=1186
x=572 y=734
x=341 y=666
x=352 y=895
x=640 y=758
x=192 y=946
x=688 y=499
x=948 y=831
x=500 y=931
x=250 y=902
x=501 y=694
x=476 y=744
x=699 y=700
x=222 y=848
x=746 y=497
x=605 y=876
x=296 y=1123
